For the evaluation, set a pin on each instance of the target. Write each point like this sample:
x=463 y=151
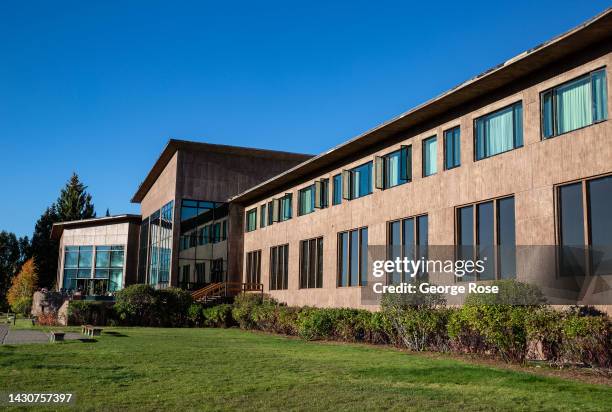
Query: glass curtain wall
x=160 y=246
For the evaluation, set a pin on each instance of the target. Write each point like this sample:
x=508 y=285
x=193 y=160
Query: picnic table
x=56 y=336
x=90 y=330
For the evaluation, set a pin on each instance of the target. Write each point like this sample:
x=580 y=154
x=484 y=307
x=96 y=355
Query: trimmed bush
x=172 y=306
x=244 y=304
x=141 y=305
x=194 y=314
x=545 y=326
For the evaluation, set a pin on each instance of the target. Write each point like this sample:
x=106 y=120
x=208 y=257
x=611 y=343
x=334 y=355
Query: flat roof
x=594 y=30
x=174 y=145
x=58 y=228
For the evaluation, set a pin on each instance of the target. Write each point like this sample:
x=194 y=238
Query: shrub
x=511 y=292
x=83 y=312
x=218 y=316
x=588 y=340
x=137 y=305
x=172 y=306
x=286 y=320
x=313 y=323
x=244 y=304
x=194 y=314
x=545 y=326
x=47 y=319
x=22 y=305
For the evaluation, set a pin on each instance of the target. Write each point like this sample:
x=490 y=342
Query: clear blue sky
x=99 y=88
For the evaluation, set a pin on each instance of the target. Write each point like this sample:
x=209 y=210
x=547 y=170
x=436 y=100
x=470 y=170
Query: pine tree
x=74 y=203
x=9 y=261
x=107 y=212
x=44 y=249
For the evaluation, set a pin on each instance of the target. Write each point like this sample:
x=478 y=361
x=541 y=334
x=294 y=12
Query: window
x=353 y=257
x=285 y=207
x=357 y=182
x=109 y=265
x=160 y=244
x=251 y=220
x=193 y=208
x=430 y=156
x=407 y=238
x=77 y=265
x=499 y=131
x=270 y=212
x=575 y=104
x=217 y=270
x=200 y=273
x=486 y=231
x=394 y=168
x=452 y=148
x=184 y=275
x=337 y=196
x=263 y=216
x=279 y=261
x=311 y=263
x=306 y=200
x=205 y=236
x=253 y=267
x=585 y=231
x=321 y=193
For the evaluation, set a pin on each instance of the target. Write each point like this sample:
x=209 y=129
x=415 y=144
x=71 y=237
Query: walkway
x=9 y=336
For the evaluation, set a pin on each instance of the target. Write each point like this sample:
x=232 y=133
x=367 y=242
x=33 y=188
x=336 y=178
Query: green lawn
x=229 y=369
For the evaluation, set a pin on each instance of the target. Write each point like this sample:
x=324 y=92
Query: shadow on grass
x=116 y=334
x=87 y=340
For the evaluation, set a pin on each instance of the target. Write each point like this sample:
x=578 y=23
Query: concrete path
x=10 y=336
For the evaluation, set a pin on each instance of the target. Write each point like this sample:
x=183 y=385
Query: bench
x=90 y=330
x=56 y=336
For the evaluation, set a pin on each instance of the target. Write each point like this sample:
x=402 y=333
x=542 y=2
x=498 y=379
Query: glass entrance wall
x=93 y=270
x=202 y=243
x=160 y=245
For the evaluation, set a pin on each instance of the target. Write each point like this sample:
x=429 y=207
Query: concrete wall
x=529 y=173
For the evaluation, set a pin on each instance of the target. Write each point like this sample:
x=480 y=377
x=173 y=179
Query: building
x=189 y=235
x=519 y=156
x=94 y=256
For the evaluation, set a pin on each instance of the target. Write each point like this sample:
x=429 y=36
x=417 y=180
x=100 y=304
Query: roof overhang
x=593 y=31
x=58 y=228
x=174 y=145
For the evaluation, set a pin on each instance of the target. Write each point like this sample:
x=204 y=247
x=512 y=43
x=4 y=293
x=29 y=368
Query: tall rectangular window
x=486 y=231
x=575 y=104
x=337 y=188
x=321 y=194
x=253 y=267
x=251 y=220
x=279 y=267
x=394 y=169
x=499 y=132
x=430 y=156
x=353 y=257
x=452 y=148
x=270 y=212
x=311 y=263
x=306 y=200
x=406 y=238
x=286 y=207
x=589 y=254
x=263 y=216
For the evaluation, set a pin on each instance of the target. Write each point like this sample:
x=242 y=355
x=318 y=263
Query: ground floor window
x=486 y=231
x=353 y=257
x=311 y=263
x=279 y=267
x=253 y=267
x=407 y=238
x=585 y=227
x=93 y=270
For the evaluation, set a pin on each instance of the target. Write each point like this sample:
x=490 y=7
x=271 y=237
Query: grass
x=229 y=369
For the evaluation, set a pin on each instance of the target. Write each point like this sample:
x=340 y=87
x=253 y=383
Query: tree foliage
x=23 y=287
x=13 y=252
x=74 y=203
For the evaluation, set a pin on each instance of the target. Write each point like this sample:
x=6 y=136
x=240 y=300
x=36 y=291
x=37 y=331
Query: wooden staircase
x=221 y=290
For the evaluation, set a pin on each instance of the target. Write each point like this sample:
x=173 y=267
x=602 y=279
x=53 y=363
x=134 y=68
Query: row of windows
x=212 y=233
x=567 y=107
x=83 y=264
x=276 y=210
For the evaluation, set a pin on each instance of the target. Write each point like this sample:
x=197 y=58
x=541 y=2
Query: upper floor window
x=263 y=216
x=357 y=182
x=353 y=257
x=193 y=208
x=337 y=196
x=452 y=148
x=394 y=169
x=306 y=200
x=486 y=231
x=499 y=132
x=430 y=156
x=251 y=220
x=575 y=104
x=286 y=206
x=270 y=212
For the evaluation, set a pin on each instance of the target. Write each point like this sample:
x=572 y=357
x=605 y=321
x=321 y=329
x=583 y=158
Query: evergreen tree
x=74 y=203
x=44 y=249
x=9 y=262
x=107 y=212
